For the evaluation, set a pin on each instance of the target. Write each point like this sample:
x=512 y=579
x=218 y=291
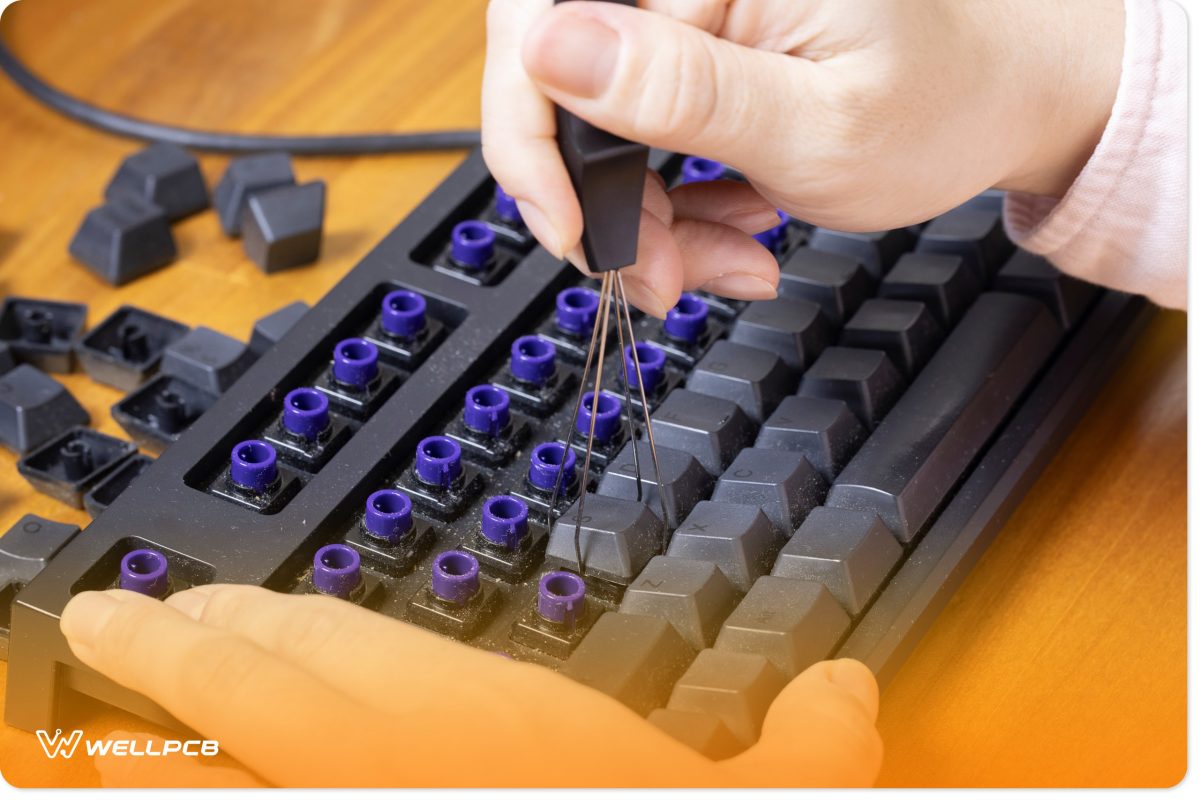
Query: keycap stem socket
x=607 y=411
x=455 y=577
x=145 y=571
x=687 y=320
x=561 y=598
x=472 y=244
x=355 y=363
x=545 y=462
x=506 y=207
x=252 y=465
x=388 y=516
x=439 y=461
x=651 y=364
x=696 y=170
x=337 y=570
x=575 y=310
x=485 y=410
x=505 y=521
x=533 y=359
x=403 y=313
x=306 y=413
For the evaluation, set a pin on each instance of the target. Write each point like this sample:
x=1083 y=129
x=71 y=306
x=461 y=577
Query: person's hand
x=850 y=114
x=305 y=690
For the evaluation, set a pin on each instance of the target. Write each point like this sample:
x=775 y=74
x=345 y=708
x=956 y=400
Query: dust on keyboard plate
x=831 y=462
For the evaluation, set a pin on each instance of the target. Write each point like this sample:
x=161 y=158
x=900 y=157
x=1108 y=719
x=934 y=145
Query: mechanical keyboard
x=831 y=463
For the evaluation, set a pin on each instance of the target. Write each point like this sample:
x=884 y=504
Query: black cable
x=216 y=141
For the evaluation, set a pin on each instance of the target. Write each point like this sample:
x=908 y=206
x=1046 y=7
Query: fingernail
x=753 y=221
x=640 y=295
x=539 y=225
x=856 y=680
x=87 y=614
x=741 y=286
x=577 y=54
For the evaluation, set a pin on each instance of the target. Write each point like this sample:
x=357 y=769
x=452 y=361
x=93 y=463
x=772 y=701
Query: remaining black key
x=754 y=379
x=942 y=282
x=35 y=408
x=1066 y=297
x=836 y=283
x=793 y=329
x=976 y=235
x=7 y=361
x=864 y=379
x=617 y=538
x=824 y=431
x=207 y=359
x=694 y=596
x=702 y=732
x=274 y=326
x=876 y=251
x=851 y=552
x=991 y=200
x=906 y=468
x=633 y=659
x=782 y=483
x=739 y=540
x=904 y=329
x=737 y=688
x=684 y=480
x=793 y=623
x=711 y=429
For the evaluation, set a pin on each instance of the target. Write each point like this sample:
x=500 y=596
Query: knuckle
x=659 y=108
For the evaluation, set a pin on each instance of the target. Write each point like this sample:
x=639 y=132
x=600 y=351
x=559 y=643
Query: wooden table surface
x=1060 y=662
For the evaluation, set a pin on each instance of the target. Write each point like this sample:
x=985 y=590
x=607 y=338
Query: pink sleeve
x=1123 y=223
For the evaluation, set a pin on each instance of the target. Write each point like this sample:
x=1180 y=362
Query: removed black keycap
x=125 y=349
x=244 y=177
x=273 y=327
x=69 y=465
x=124 y=239
x=156 y=414
x=35 y=408
x=108 y=489
x=164 y=174
x=207 y=359
x=282 y=227
x=42 y=332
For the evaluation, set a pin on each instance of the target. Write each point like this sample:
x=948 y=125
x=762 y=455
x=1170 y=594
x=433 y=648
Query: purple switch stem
x=145 y=572
x=544 y=464
x=772 y=237
x=608 y=415
x=486 y=410
x=388 y=516
x=305 y=413
x=403 y=313
x=337 y=570
x=687 y=320
x=506 y=207
x=252 y=465
x=697 y=169
x=505 y=521
x=575 y=310
x=455 y=577
x=355 y=363
x=439 y=461
x=561 y=598
x=533 y=359
x=472 y=244
x=651 y=363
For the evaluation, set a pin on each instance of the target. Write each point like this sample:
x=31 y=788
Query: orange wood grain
x=1061 y=660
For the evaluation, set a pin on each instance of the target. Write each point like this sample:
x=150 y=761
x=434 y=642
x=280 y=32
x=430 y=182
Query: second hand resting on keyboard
x=314 y=691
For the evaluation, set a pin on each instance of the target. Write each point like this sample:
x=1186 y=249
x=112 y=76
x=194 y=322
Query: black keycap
x=617 y=538
x=793 y=623
x=876 y=251
x=864 y=379
x=164 y=174
x=905 y=469
x=849 y=551
x=991 y=200
x=754 y=379
x=824 y=431
x=155 y=415
x=780 y=482
x=124 y=239
x=711 y=429
x=1066 y=297
x=633 y=659
x=35 y=408
x=244 y=177
x=694 y=596
x=942 y=282
x=29 y=545
x=282 y=227
x=793 y=329
x=42 y=333
x=207 y=359
x=737 y=688
x=976 y=235
x=7 y=361
x=739 y=540
x=904 y=329
x=270 y=329
x=836 y=283
x=702 y=732
x=69 y=465
x=124 y=350
x=108 y=489
x=686 y=482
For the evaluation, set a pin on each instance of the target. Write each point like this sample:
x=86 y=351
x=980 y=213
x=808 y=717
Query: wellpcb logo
x=58 y=745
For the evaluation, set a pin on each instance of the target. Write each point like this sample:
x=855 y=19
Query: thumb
x=662 y=82
x=820 y=731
